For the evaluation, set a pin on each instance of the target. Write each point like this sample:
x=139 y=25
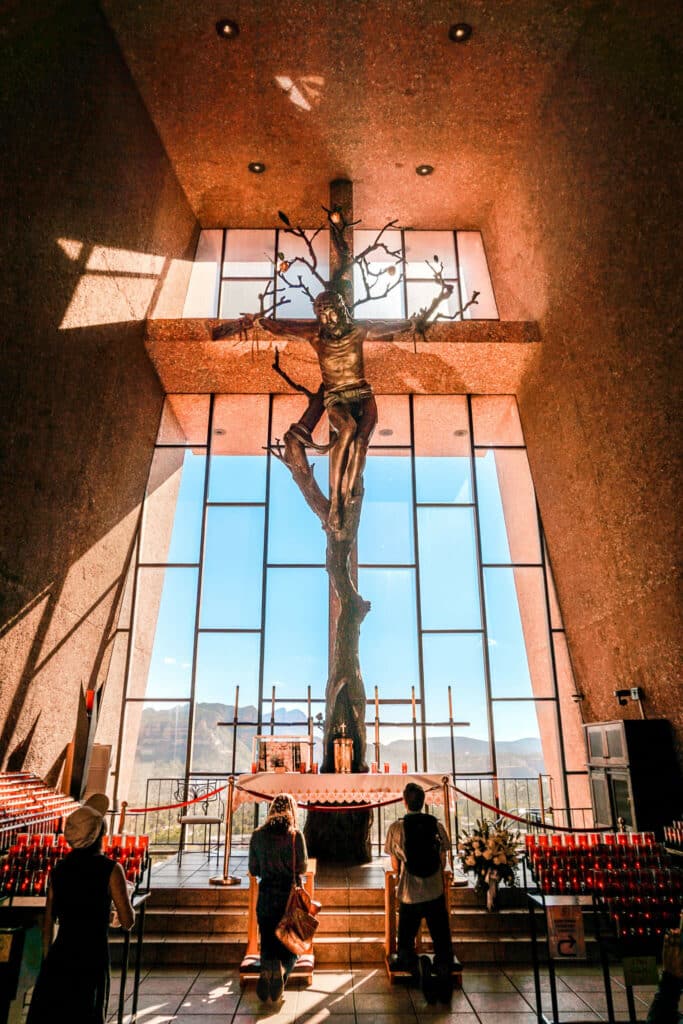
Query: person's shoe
x=428 y=980
x=277 y=981
x=263 y=983
x=444 y=988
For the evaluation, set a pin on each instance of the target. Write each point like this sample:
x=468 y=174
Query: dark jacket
x=270 y=853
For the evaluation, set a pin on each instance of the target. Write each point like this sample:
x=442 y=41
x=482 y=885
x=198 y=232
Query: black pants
x=269 y=910
x=434 y=912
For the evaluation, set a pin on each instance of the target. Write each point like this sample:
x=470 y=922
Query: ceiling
x=363 y=89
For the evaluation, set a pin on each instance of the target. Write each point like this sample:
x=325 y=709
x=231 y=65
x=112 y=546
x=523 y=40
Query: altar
x=335 y=789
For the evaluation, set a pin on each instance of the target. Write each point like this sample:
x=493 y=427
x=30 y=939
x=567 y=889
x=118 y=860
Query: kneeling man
x=417 y=845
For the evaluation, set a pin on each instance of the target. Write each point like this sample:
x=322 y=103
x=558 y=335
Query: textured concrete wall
x=585 y=238
x=97 y=235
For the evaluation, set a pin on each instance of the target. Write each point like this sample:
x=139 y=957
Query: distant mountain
x=162 y=739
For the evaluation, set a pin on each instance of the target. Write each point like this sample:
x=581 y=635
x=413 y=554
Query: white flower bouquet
x=490 y=852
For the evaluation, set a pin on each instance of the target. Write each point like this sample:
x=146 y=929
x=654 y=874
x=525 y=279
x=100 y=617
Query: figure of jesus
x=345 y=393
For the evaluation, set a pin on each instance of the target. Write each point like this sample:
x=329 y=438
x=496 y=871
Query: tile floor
x=363 y=995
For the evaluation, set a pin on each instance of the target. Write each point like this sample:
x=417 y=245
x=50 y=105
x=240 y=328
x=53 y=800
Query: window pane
x=449 y=585
x=202 y=293
x=496 y=420
x=388 y=636
x=249 y=253
x=295 y=534
x=299 y=305
x=580 y=800
x=519 y=753
x=519 y=655
x=474 y=276
x=507 y=507
x=442 y=449
x=154 y=746
x=457 y=660
x=163 y=633
x=425 y=245
x=393 y=420
x=233 y=566
x=441 y=425
x=296 y=631
x=224 y=661
x=422 y=293
x=391 y=306
x=555 y=613
x=238 y=459
x=240 y=424
x=184 y=420
x=288 y=409
x=240 y=297
x=573 y=733
x=385 y=535
x=172 y=521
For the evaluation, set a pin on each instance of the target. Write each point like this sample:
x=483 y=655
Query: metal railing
x=518 y=796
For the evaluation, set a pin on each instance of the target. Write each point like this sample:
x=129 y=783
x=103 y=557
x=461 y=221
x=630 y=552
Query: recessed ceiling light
x=256 y=167
x=460 y=33
x=220 y=431
x=386 y=432
x=227 y=29
x=459 y=433
x=424 y=169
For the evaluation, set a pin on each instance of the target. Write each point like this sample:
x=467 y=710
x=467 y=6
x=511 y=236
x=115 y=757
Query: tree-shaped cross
x=347 y=398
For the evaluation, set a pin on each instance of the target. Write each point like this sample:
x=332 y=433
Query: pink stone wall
x=585 y=239
x=97 y=236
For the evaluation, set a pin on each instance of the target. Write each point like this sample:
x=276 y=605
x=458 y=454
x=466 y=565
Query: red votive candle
x=373 y=768
x=404 y=767
x=386 y=767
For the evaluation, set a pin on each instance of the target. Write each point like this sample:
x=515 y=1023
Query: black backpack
x=422 y=845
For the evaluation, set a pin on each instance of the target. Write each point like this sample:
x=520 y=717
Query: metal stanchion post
x=447 y=815
x=225 y=878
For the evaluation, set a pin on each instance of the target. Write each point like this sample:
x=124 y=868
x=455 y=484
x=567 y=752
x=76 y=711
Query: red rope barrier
x=173 y=807
x=516 y=817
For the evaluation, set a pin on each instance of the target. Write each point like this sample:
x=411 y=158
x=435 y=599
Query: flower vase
x=492 y=892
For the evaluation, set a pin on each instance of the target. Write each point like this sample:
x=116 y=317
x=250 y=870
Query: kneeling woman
x=276 y=852
x=73 y=984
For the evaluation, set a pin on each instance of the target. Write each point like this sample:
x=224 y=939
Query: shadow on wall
x=98 y=226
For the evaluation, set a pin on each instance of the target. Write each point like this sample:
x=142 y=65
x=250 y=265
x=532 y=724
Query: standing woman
x=73 y=984
x=276 y=852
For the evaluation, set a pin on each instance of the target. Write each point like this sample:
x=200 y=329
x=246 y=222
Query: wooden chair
x=423 y=942
x=206 y=814
x=250 y=968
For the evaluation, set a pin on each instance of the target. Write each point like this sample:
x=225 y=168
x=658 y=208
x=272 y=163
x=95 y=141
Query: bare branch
x=311 y=263
x=459 y=312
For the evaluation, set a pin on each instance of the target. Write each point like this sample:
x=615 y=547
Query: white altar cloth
x=333 y=788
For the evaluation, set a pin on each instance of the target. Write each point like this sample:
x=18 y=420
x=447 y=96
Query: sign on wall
x=566 y=938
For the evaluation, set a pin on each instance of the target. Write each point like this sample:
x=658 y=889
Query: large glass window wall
x=234 y=267
x=229 y=598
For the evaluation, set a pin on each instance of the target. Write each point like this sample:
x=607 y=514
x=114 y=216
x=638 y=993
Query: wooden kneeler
x=394 y=970
x=250 y=968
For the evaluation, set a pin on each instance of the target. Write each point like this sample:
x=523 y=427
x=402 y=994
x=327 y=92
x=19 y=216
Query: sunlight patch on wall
x=117 y=285
x=305 y=92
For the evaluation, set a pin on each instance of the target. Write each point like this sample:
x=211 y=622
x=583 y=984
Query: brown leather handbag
x=299 y=921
